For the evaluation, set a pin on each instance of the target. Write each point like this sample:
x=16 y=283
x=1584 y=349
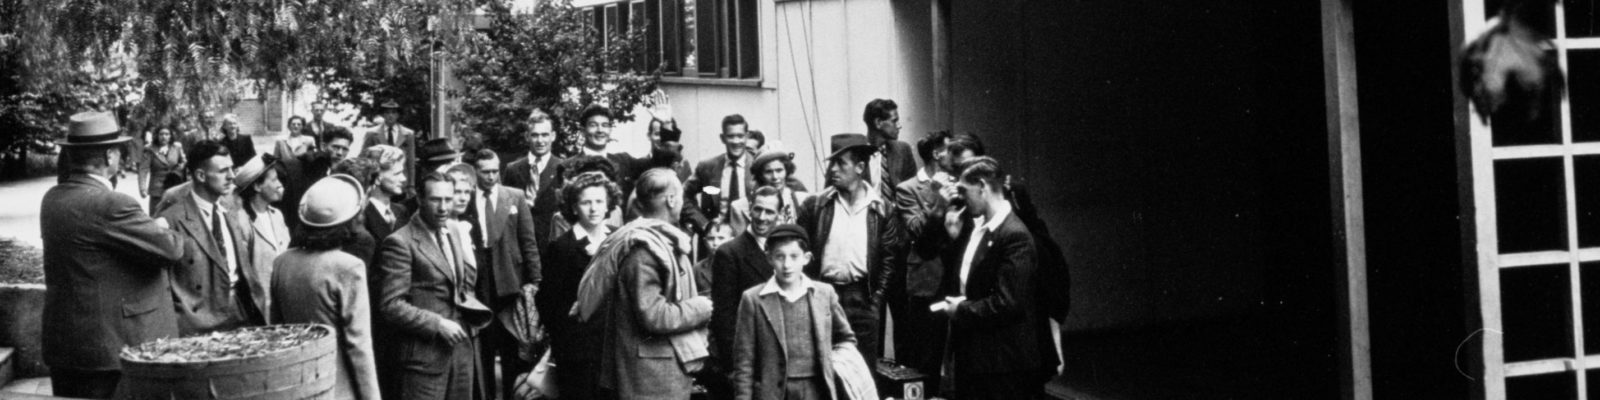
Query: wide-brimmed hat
x=437 y=150
x=253 y=170
x=770 y=156
x=331 y=201
x=846 y=141
x=94 y=128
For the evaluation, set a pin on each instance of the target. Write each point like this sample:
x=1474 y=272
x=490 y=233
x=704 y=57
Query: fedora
x=93 y=128
x=437 y=150
x=847 y=141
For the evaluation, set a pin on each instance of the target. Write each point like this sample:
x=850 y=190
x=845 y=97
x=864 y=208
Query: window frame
x=726 y=38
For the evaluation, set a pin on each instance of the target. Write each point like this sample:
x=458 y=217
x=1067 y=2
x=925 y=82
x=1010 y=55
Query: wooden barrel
x=307 y=371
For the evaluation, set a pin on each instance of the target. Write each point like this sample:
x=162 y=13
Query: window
x=1535 y=192
x=708 y=39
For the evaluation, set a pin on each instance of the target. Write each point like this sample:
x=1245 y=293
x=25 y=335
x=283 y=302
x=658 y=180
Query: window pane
x=1535 y=311
x=1583 y=85
x=1581 y=18
x=1589 y=276
x=1586 y=178
x=748 y=39
x=706 y=27
x=672 y=39
x=1563 y=386
x=1531 y=205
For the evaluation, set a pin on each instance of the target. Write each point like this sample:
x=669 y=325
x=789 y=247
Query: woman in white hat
x=315 y=282
x=257 y=186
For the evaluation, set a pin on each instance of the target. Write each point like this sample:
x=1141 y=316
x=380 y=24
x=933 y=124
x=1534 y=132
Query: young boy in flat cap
x=788 y=327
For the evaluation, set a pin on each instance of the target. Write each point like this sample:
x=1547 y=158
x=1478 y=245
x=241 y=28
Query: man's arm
x=744 y=351
x=843 y=336
x=394 y=280
x=692 y=214
x=891 y=254
x=532 y=265
x=133 y=233
x=643 y=275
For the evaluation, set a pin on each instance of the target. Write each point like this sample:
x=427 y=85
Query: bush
x=20 y=263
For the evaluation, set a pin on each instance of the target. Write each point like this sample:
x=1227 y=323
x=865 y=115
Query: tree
x=551 y=59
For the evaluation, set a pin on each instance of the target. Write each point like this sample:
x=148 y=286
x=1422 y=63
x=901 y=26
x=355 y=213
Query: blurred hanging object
x=1511 y=70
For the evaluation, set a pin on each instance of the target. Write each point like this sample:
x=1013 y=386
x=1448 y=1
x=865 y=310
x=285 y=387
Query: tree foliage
x=551 y=59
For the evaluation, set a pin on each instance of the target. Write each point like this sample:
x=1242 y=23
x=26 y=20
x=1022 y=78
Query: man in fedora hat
x=213 y=285
x=105 y=265
x=857 y=237
x=392 y=133
x=426 y=300
x=436 y=154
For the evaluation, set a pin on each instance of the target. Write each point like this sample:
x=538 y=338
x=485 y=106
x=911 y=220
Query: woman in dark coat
x=161 y=157
x=587 y=200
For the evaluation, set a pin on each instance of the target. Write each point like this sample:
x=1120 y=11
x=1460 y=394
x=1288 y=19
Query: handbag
x=539 y=383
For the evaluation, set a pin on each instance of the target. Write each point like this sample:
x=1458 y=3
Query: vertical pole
x=941 y=63
x=1344 y=159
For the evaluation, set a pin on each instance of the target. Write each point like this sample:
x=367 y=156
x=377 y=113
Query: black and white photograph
x=799 y=199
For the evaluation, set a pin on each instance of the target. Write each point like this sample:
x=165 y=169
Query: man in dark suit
x=738 y=265
x=858 y=239
x=891 y=162
x=999 y=345
x=535 y=173
x=729 y=172
x=394 y=134
x=299 y=172
x=509 y=263
x=211 y=283
x=105 y=265
x=921 y=203
x=427 y=301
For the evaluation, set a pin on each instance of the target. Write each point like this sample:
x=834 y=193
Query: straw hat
x=331 y=201
x=252 y=171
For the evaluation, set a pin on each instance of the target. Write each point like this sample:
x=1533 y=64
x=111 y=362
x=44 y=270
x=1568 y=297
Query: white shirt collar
x=871 y=197
x=540 y=161
x=991 y=225
x=800 y=290
x=205 y=206
x=103 y=181
x=580 y=233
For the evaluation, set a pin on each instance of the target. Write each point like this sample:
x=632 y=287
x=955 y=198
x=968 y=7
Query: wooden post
x=1344 y=159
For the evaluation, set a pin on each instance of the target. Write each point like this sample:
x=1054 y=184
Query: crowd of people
x=449 y=274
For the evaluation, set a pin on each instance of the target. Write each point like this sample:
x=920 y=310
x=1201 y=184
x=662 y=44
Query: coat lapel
x=754 y=259
x=819 y=325
x=977 y=256
x=195 y=225
x=429 y=248
x=772 y=308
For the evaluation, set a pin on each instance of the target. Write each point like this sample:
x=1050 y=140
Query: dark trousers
x=579 y=379
x=496 y=341
x=919 y=335
x=1002 y=386
x=863 y=316
x=809 y=388
x=67 y=382
x=458 y=381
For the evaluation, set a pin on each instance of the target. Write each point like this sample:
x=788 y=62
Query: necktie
x=448 y=250
x=733 y=185
x=216 y=230
x=533 y=179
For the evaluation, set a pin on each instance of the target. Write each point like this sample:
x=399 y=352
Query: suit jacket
x=271 y=239
x=700 y=208
x=735 y=266
x=201 y=283
x=640 y=360
x=241 y=148
x=105 y=272
x=760 y=356
x=999 y=328
x=513 y=252
x=922 y=209
x=418 y=288
x=885 y=242
x=373 y=220
x=899 y=160
x=546 y=199
x=330 y=287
